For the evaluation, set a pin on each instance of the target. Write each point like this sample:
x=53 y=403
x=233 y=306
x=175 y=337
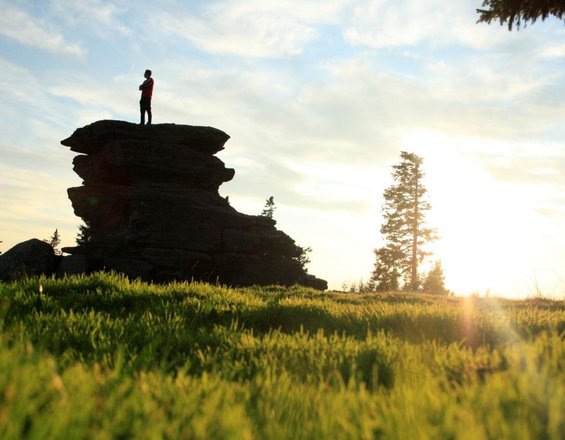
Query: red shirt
x=147 y=88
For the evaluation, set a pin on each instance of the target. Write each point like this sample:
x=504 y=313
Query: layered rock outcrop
x=150 y=197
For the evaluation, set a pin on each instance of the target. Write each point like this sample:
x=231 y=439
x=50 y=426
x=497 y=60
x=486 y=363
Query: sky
x=319 y=98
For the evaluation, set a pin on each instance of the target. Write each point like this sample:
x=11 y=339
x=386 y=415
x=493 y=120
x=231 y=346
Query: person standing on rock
x=146 y=94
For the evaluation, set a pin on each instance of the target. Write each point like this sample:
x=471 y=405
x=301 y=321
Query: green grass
x=103 y=357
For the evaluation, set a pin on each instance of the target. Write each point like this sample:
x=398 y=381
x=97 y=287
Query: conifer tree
x=520 y=12
x=55 y=241
x=84 y=236
x=269 y=209
x=435 y=280
x=386 y=275
x=404 y=226
x=303 y=258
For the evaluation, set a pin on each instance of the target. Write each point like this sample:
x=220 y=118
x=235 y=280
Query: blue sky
x=319 y=98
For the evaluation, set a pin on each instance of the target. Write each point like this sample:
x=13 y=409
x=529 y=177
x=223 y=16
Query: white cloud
x=397 y=23
x=18 y=84
x=379 y=23
x=306 y=11
x=259 y=37
x=99 y=16
x=553 y=51
x=30 y=31
x=34 y=203
x=251 y=28
x=25 y=102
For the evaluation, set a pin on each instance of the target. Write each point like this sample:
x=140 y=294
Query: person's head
x=147 y=73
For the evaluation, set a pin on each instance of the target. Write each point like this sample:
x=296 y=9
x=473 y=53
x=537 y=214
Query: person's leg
x=142 y=112
x=149 y=111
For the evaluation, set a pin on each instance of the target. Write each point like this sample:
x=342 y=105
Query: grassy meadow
x=103 y=357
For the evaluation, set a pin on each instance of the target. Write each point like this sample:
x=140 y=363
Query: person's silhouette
x=146 y=93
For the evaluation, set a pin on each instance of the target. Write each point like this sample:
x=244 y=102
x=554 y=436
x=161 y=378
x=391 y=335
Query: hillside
x=103 y=357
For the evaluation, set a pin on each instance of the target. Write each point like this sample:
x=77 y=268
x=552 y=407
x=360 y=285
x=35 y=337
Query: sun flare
x=487 y=231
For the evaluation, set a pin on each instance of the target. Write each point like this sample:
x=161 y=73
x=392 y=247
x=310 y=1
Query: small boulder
x=29 y=258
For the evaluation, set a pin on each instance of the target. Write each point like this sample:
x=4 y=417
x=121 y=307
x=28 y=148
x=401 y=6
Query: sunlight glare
x=486 y=230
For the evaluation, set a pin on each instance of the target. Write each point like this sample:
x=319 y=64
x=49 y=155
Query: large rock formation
x=150 y=197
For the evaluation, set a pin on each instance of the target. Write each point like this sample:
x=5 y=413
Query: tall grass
x=104 y=357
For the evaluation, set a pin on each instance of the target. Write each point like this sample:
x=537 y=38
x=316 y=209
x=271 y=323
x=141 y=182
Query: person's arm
x=146 y=83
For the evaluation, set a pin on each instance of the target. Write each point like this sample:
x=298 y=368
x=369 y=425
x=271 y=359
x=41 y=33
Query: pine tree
x=84 y=236
x=520 y=11
x=435 y=280
x=386 y=275
x=304 y=257
x=269 y=209
x=404 y=226
x=55 y=241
